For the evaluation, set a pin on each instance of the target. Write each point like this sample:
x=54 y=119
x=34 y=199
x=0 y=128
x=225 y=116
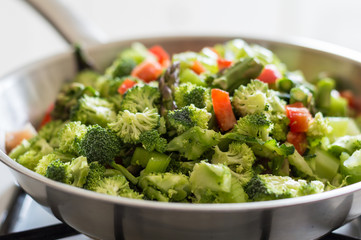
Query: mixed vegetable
x=224 y=125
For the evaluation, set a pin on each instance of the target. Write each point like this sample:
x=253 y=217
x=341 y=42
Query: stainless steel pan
x=25 y=94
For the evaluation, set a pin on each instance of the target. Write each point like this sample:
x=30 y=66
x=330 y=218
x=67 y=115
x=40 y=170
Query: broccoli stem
x=325 y=86
x=285 y=84
x=326 y=165
x=155 y=194
x=190 y=76
x=125 y=172
x=300 y=94
x=158 y=165
x=141 y=156
x=299 y=162
x=338 y=106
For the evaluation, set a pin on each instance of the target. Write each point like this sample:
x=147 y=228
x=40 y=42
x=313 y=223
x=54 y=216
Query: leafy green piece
x=194 y=142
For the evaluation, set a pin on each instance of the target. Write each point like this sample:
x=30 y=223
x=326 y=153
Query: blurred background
x=27 y=37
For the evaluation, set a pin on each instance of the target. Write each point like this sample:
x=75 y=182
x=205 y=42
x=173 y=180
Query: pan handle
x=74 y=27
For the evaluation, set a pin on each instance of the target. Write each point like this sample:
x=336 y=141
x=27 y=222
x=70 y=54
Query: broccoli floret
x=347 y=144
x=162 y=129
x=68 y=98
x=187 y=117
x=103 y=145
x=280 y=149
x=266 y=149
x=57 y=171
x=280 y=126
x=186 y=94
x=311 y=187
x=73 y=173
x=116 y=186
x=351 y=167
x=265 y=56
x=29 y=152
x=319 y=126
x=215 y=177
x=93 y=110
x=275 y=153
x=278 y=156
x=99 y=144
x=254 y=125
x=187 y=60
x=88 y=78
x=255 y=97
x=151 y=140
x=139 y=98
x=239 y=158
x=78 y=170
x=21 y=148
x=194 y=142
x=165 y=186
x=70 y=135
x=108 y=86
x=213 y=183
x=44 y=162
x=235 y=195
x=251 y=98
x=137 y=52
x=177 y=166
x=96 y=173
x=129 y=126
x=50 y=132
x=47 y=159
x=120 y=67
x=269 y=187
x=109 y=89
x=235 y=49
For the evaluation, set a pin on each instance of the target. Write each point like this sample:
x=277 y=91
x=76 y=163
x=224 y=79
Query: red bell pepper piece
x=299 y=140
x=127 y=84
x=299 y=117
x=147 y=71
x=197 y=67
x=161 y=55
x=269 y=74
x=223 y=63
x=223 y=109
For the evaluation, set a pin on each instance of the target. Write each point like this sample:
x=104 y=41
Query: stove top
x=25 y=219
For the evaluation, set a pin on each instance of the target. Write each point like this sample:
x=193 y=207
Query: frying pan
x=107 y=217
